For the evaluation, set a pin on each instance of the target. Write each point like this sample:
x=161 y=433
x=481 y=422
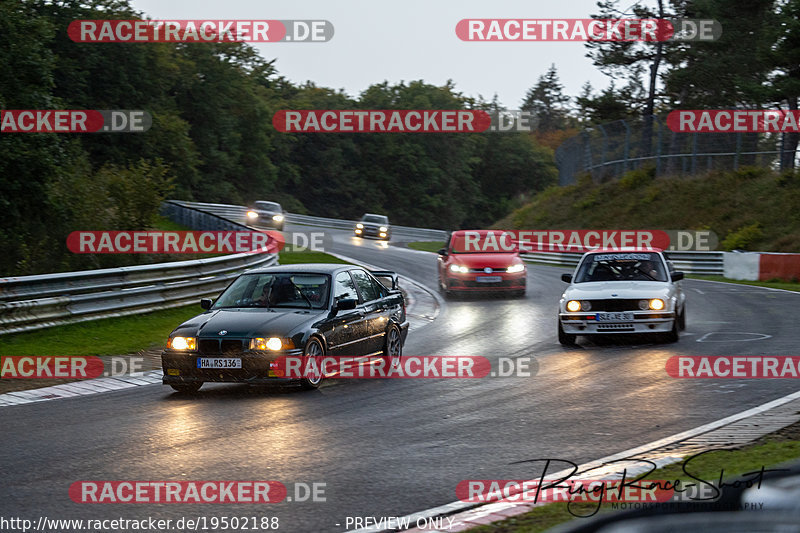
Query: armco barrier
x=35 y=302
x=238 y=214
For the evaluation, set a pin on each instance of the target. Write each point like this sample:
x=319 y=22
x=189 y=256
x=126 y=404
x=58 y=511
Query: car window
x=375 y=219
x=623 y=266
x=367 y=286
x=344 y=287
x=277 y=290
x=269 y=206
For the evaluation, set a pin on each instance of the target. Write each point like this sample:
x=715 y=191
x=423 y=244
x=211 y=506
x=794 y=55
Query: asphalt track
x=393 y=447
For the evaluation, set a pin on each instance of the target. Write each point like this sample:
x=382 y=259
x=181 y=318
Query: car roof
x=623 y=250
x=374 y=215
x=310 y=268
x=479 y=231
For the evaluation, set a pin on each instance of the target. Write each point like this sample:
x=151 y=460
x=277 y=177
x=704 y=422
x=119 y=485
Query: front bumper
x=469 y=282
x=367 y=231
x=181 y=367
x=643 y=322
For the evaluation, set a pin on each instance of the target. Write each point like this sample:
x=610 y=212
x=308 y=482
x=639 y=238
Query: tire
x=392 y=347
x=313 y=349
x=187 y=388
x=682 y=319
x=566 y=339
x=673 y=335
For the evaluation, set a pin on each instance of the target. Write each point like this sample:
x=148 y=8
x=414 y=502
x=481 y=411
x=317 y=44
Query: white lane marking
x=80 y=388
x=745 y=285
x=672 y=439
x=698 y=291
x=756 y=336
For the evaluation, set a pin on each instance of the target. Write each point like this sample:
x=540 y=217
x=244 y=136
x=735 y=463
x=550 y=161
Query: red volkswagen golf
x=481 y=260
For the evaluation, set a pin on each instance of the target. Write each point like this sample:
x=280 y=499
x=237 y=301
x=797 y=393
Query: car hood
x=597 y=290
x=244 y=322
x=495 y=261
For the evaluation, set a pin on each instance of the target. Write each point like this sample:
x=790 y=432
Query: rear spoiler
x=386 y=274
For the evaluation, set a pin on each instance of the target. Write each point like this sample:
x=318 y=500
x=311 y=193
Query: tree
x=547 y=102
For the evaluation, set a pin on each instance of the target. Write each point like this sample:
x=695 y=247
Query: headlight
x=516 y=268
x=272 y=343
x=459 y=268
x=656 y=304
x=252 y=214
x=360 y=225
x=182 y=343
x=644 y=305
x=277 y=218
x=384 y=228
x=573 y=306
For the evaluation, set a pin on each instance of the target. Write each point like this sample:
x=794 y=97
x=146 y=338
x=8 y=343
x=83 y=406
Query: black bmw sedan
x=310 y=310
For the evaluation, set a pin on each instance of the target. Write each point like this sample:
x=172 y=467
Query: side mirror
x=442 y=252
x=677 y=275
x=566 y=277
x=345 y=304
x=206 y=303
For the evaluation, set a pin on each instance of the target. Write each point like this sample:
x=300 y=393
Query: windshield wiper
x=310 y=305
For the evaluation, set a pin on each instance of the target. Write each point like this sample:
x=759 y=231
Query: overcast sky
x=408 y=40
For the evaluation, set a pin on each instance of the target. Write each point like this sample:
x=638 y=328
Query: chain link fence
x=610 y=150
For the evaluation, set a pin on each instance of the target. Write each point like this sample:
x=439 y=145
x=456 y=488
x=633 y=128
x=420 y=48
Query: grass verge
x=427 y=246
x=768 y=451
x=123 y=335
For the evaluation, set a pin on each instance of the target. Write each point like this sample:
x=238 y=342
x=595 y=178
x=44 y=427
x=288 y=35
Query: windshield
x=268 y=206
x=277 y=290
x=640 y=266
x=375 y=219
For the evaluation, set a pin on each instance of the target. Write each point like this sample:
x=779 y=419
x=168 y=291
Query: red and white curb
x=81 y=388
x=736 y=429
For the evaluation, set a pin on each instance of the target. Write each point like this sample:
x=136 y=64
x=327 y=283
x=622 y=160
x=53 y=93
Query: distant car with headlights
x=267 y=214
x=622 y=291
x=463 y=268
x=372 y=225
x=312 y=310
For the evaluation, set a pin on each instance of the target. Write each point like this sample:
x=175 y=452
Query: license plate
x=489 y=279
x=218 y=362
x=614 y=317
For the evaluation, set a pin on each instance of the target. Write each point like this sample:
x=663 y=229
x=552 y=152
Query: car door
x=348 y=327
x=372 y=295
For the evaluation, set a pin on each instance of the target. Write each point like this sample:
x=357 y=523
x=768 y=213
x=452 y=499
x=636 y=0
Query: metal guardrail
x=238 y=214
x=34 y=302
x=690 y=262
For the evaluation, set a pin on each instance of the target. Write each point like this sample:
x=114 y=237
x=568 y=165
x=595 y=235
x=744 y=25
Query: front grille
x=615 y=327
x=232 y=346
x=221 y=346
x=614 y=305
x=494 y=270
x=208 y=346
